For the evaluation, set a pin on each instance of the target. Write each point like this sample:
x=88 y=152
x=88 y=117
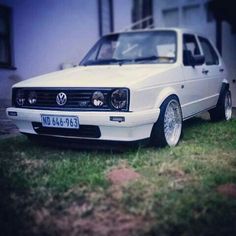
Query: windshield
x=133 y=48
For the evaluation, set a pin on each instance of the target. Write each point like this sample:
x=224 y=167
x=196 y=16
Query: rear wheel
x=223 y=110
x=167 y=130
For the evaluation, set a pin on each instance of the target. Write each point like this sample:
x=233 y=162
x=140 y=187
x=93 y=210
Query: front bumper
x=136 y=125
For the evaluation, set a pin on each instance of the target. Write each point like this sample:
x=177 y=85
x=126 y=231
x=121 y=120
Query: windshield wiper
x=123 y=61
x=99 y=62
x=152 y=58
x=120 y=61
x=107 y=61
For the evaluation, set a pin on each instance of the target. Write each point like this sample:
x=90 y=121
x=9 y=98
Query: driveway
x=6 y=126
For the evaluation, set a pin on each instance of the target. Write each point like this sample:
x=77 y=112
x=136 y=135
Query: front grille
x=78 y=99
x=84 y=131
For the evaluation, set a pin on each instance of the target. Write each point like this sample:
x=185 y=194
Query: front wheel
x=223 y=110
x=167 y=130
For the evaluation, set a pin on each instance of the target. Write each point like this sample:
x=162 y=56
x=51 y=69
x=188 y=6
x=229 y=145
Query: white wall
x=185 y=14
x=192 y=14
x=47 y=33
x=122 y=14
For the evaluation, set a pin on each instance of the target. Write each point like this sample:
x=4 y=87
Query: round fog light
x=98 y=99
x=20 y=98
x=32 y=99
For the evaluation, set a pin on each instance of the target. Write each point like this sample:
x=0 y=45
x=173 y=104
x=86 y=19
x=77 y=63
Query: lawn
x=186 y=190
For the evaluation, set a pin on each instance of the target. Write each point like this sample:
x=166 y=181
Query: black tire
x=158 y=135
x=221 y=112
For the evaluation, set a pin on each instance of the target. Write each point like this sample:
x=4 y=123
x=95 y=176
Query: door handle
x=221 y=70
x=204 y=71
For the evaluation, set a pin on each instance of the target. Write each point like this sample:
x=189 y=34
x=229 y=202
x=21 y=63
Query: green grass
x=176 y=192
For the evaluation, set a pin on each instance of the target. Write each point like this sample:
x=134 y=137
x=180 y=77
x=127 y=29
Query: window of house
x=171 y=17
x=191 y=15
x=190 y=44
x=105 y=13
x=142 y=9
x=211 y=57
x=5 y=37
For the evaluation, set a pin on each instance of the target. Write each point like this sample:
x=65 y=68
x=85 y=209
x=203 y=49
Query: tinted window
x=190 y=44
x=211 y=57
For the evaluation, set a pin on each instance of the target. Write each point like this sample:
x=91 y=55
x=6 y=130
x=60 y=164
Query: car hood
x=96 y=76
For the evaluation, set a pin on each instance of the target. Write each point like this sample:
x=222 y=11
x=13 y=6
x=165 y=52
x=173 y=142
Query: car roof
x=180 y=30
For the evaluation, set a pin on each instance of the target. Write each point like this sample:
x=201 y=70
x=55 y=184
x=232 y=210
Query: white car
x=130 y=86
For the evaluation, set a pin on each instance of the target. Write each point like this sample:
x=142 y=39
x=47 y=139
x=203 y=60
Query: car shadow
x=89 y=145
x=196 y=121
x=86 y=145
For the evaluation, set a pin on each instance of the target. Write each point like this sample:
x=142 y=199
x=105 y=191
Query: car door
x=214 y=72
x=195 y=87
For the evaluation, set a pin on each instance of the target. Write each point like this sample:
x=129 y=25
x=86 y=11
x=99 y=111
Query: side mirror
x=192 y=60
x=198 y=60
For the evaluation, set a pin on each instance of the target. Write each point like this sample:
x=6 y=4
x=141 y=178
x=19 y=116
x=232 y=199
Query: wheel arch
x=224 y=86
x=219 y=112
x=225 y=81
x=158 y=133
x=164 y=94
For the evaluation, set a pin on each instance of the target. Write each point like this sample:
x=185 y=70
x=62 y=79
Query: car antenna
x=131 y=27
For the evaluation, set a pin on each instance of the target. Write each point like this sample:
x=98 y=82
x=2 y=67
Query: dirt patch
x=31 y=165
x=104 y=220
x=227 y=190
x=34 y=164
x=98 y=214
x=178 y=179
x=122 y=175
x=40 y=215
x=172 y=172
x=103 y=224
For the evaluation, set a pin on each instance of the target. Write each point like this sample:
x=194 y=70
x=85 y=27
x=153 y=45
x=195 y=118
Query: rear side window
x=211 y=57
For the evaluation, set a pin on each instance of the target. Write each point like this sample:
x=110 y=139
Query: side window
x=190 y=44
x=211 y=57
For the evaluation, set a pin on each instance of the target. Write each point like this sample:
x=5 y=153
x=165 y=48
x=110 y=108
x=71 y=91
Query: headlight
x=98 y=99
x=20 y=97
x=119 y=98
x=32 y=98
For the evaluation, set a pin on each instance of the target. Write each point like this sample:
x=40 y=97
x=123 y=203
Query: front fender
x=166 y=92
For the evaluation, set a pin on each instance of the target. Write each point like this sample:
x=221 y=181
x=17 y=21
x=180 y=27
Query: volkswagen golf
x=131 y=86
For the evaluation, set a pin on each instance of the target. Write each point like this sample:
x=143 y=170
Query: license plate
x=70 y=122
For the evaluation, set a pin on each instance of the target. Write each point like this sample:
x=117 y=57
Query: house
x=38 y=37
